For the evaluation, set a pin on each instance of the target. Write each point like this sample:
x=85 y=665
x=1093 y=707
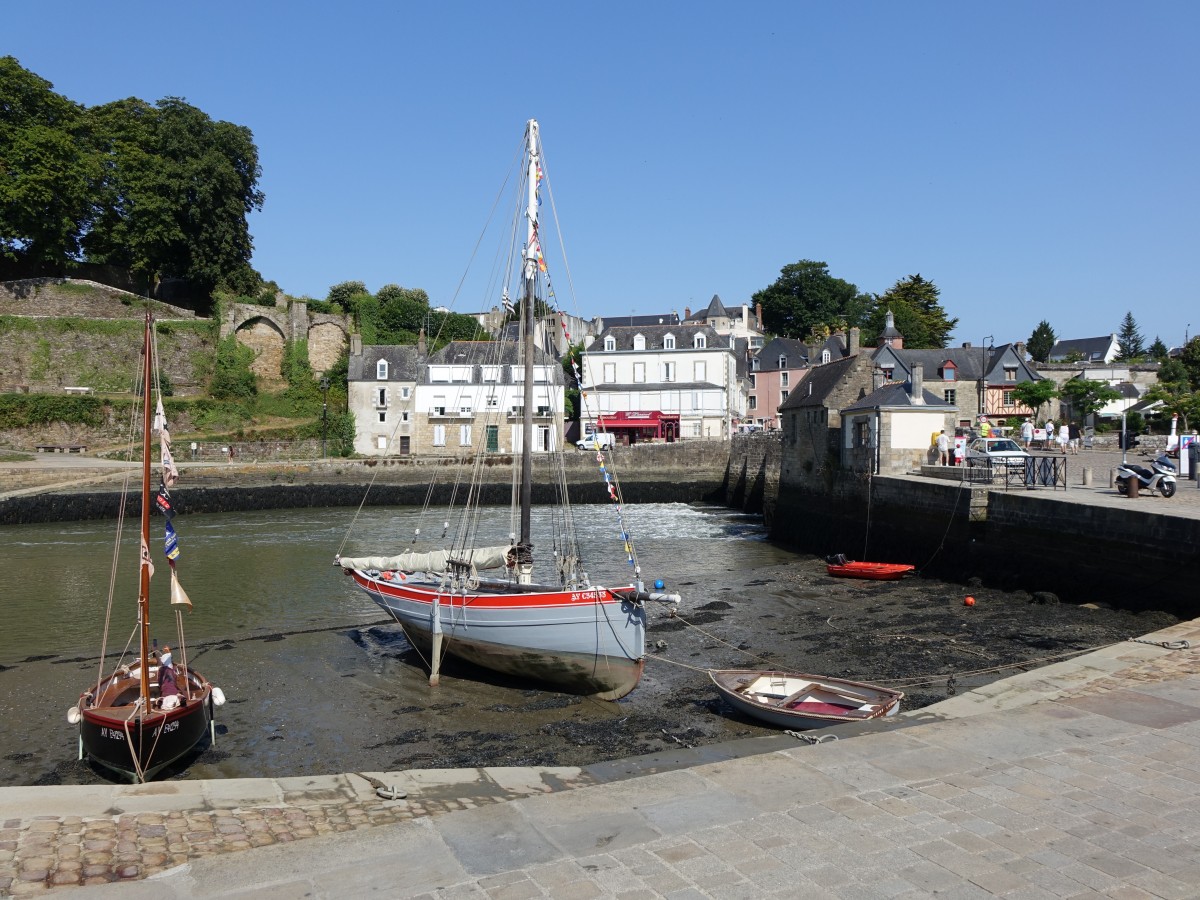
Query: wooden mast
x=144 y=552
x=527 y=317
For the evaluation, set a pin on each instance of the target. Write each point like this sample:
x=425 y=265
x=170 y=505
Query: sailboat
x=149 y=711
x=537 y=617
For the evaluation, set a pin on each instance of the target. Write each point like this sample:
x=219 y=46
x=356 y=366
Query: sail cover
x=433 y=561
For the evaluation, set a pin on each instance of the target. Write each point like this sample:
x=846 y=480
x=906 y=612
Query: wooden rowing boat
x=792 y=700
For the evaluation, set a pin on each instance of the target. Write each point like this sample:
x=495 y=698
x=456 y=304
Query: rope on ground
x=1166 y=645
x=812 y=738
x=674 y=615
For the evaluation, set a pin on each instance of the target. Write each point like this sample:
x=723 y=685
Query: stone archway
x=263 y=336
x=326 y=341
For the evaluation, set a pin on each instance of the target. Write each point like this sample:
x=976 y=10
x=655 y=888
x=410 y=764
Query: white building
x=736 y=321
x=661 y=382
x=470 y=397
x=381 y=383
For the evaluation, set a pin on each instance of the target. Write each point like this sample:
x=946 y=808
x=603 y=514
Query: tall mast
x=527 y=316
x=144 y=552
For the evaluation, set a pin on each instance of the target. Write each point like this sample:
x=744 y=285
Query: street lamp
x=983 y=349
x=324 y=413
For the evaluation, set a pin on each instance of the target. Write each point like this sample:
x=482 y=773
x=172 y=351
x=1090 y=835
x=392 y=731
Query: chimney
x=852 y=348
x=421 y=343
x=687 y=313
x=877 y=380
x=1021 y=351
x=916 y=388
x=966 y=345
x=356 y=345
x=758 y=315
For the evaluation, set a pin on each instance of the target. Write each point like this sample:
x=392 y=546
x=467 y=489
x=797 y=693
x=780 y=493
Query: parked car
x=599 y=440
x=1001 y=452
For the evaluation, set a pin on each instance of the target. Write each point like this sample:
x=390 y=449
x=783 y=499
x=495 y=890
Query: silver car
x=1001 y=451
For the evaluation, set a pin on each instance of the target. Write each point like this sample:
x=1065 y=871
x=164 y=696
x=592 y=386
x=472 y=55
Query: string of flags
x=162 y=501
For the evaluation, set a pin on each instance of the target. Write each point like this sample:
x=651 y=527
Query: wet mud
x=357 y=698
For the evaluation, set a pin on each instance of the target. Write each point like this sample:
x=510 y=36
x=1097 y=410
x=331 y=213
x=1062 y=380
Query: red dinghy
x=875 y=571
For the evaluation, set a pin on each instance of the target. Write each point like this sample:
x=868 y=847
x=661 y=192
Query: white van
x=599 y=440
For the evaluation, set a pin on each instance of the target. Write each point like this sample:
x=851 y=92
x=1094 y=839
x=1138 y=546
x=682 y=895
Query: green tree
x=342 y=293
x=177 y=190
x=1158 y=350
x=571 y=359
x=1083 y=396
x=1130 y=339
x=47 y=169
x=1190 y=358
x=806 y=296
x=1035 y=394
x=1041 y=342
x=918 y=314
x=402 y=315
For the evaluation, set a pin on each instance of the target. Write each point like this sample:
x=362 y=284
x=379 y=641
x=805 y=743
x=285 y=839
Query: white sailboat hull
x=589 y=642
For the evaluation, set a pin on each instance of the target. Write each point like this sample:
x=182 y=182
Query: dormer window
x=826 y=356
x=669 y=342
x=949 y=372
x=782 y=361
x=639 y=342
x=610 y=343
x=381 y=370
x=699 y=342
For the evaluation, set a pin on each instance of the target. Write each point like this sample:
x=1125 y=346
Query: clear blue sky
x=1035 y=160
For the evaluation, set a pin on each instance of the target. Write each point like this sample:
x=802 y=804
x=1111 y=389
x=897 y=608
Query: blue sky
x=1036 y=160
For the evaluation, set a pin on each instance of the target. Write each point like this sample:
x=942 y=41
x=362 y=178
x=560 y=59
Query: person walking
x=943 y=446
x=1064 y=437
x=1027 y=432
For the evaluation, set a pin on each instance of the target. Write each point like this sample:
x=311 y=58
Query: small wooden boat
x=875 y=571
x=803 y=701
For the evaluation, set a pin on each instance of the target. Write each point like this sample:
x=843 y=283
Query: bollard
x=1087 y=477
x=1135 y=487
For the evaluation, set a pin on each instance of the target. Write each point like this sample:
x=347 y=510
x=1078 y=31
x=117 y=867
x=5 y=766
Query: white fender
x=218 y=696
x=73 y=715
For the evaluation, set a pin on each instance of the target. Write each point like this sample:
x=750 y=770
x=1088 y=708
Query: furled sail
x=433 y=561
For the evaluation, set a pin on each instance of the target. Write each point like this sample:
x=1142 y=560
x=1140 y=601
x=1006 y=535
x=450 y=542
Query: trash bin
x=1193 y=456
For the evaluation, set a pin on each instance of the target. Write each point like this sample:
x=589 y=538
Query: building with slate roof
x=685 y=373
x=381 y=380
x=891 y=429
x=811 y=417
x=1089 y=350
x=779 y=367
x=736 y=321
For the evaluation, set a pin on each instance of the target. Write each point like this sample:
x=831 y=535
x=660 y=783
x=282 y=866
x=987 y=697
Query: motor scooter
x=1160 y=476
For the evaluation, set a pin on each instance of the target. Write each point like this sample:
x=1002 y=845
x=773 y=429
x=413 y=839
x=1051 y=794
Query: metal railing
x=1030 y=472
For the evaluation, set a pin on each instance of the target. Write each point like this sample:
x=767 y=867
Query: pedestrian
x=985 y=427
x=1050 y=435
x=1064 y=437
x=960 y=449
x=943 y=446
x=1027 y=432
x=1073 y=431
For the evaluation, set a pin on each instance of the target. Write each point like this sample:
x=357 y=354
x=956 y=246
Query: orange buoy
x=970 y=601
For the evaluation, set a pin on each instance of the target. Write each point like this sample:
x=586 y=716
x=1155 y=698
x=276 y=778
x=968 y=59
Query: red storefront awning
x=651 y=421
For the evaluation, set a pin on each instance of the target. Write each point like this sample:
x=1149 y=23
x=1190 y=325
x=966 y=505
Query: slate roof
x=1093 y=349
x=896 y=394
x=654 y=334
x=671 y=318
x=486 y=353
x=401 y=360
x=818 y=385
x=794 y=349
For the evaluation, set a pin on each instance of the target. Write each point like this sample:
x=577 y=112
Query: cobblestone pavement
x=1081 y=779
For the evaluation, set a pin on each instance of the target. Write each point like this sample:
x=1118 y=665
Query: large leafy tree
x=914 y=302
x=47 y=169
x=1041 y=341
x=177 y=191
x=160 y=189
x=1177 y=392
x=1083 y=396
x=806 y=297
x=1130 y=339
